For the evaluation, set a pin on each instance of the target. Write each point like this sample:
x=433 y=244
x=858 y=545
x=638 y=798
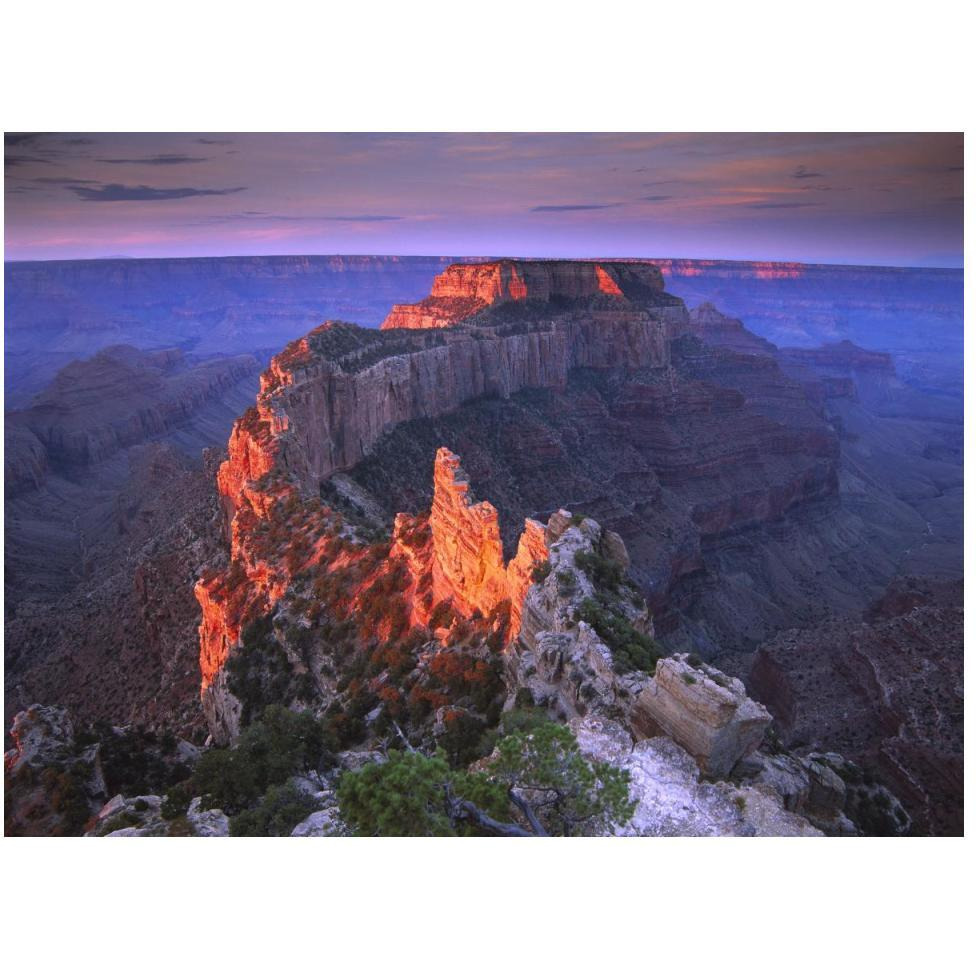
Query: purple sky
x=844 y=198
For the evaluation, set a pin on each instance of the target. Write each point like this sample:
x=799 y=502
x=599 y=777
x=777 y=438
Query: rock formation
x=467 y=564
x=463 y=290
x=703 y=710
x=716 y=329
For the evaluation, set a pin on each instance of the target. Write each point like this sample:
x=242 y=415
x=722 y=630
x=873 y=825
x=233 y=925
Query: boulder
x=704 y=711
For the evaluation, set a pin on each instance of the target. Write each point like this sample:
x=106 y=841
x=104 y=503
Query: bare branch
x=529 y=813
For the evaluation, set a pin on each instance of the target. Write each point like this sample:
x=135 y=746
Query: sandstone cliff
x=466 y=289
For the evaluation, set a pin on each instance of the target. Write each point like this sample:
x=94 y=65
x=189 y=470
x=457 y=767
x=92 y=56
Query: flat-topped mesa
x=464 y=290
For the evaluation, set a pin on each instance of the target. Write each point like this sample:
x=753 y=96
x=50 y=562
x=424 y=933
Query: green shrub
x=405 y=797
x=463 y=740
x=631 y=650
x=605 y=573
x=281 y=809
x=176 y=801
x=260 y=673
x=268 y=752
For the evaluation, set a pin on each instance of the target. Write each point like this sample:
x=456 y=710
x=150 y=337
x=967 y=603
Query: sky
x=846 y=198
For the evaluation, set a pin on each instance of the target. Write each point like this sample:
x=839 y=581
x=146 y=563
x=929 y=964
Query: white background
x=595 y=906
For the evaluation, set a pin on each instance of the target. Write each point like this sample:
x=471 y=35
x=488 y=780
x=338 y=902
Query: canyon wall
x=330 y=396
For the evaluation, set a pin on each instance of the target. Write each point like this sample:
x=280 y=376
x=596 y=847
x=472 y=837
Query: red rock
x=465 y=289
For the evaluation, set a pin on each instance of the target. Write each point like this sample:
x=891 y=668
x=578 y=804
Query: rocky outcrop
x=464 y=290
x=143 y=816
x=25 y=462
x=703 y=710
x=467 y=564
x=52 y=783
x=671 y=798
x=838 y=358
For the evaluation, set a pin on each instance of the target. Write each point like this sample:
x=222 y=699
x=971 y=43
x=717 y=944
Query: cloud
x=113 y=192
x=654 y=198
x=214 y=142
x=779 y=206
x=19 y=138
x=19 y=159
x=260 y=215
x=160 y=159
x=78 y=142
x=561 y=208
x=64 y=181
x=802 y=173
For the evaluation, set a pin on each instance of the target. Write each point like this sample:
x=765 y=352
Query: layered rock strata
x=463 y=290
x=705 y=711
x=120 y=397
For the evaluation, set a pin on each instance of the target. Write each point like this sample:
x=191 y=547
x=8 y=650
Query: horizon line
x=483 y=259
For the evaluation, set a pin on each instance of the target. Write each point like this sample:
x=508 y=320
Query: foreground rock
x=705 y=711
x=673 y=801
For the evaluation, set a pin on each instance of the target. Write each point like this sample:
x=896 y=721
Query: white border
x=484 y=906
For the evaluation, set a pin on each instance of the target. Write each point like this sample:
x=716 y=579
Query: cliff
x=595 y=349
x=329 y=397
x=886 y=689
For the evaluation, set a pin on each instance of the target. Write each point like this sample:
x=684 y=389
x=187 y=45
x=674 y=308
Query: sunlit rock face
x=449 y=558
x=328 y=399
x=465 y=289
x=468 y=566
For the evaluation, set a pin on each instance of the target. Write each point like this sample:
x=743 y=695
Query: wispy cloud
x=259 y=215
x=656 y=197
x=562 y=207
x=64 y=181
x=114 y=192
x=802 y=173
x=780 y=206
x=214 y=142
x=22 y=159
x=160 y=159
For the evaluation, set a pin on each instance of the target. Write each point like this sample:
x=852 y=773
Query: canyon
x=705 y=449
x=745 y=492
